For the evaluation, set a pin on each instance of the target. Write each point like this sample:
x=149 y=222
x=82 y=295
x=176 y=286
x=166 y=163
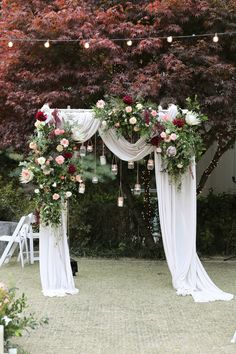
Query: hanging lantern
x=95 y=180
x=103 y=160
x=114 y=169
x=150 y=164
x=82 y=150
x=81 y=188
x=90 y=147
x=120 y=202
x=137 y=189
x=131 y=165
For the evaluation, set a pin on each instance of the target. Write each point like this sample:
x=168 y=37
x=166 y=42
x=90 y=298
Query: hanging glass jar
x=81 y=188
x=120 y=201
x=95 y=180
x=82 y=150
x=150 y=164
x=137 y=189
x=131 y=165
x=103 y=160
x=90 y=146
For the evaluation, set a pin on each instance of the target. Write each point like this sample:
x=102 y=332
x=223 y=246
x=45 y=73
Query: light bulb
x=129 y=43
x=215 y=38
x=47 y=44
x=86 y=45
x=169 y=39
x=10 y=44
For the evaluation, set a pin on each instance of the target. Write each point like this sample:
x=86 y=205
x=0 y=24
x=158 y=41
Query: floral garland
x=53 y=166
x=174 y=132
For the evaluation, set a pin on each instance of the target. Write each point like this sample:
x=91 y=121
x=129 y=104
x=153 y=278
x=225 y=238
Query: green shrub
x=216 y=224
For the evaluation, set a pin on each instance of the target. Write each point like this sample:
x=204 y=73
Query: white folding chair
x=18 y=238
x=32 y=236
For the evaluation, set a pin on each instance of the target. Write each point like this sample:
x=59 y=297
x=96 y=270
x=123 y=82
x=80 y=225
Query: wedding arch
x=177 y=211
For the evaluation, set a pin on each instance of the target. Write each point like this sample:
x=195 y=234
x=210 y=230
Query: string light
x=47 y=44
x=10 y=44
x=129 y=42
x=215 y=38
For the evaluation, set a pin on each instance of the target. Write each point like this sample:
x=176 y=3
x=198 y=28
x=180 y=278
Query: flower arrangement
x=127 y=116
x=174 y=132
x=11 y=314
x=53 y=166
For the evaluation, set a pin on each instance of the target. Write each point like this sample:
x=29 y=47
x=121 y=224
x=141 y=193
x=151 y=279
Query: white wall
x=220 y=179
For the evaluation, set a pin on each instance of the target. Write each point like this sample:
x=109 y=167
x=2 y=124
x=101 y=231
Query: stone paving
x=127 y=307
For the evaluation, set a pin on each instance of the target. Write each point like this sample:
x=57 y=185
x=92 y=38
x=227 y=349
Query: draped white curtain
x=177 y=210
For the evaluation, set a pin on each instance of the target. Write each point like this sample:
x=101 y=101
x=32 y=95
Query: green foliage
x=216 y=226
x=12 y=314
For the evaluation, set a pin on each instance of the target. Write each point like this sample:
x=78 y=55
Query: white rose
x=39 y=124
x=68 y=194
x=192 y=119
x=41 y=186
x=133 y=120
x=136 y=129
x=54 y=184
x=36 y=191
x=139 y=106
x=41 y=160
x=179 y=165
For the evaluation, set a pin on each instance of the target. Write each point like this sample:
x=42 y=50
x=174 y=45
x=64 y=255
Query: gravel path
x=127 y=307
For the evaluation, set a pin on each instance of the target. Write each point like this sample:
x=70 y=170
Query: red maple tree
x=68 y=74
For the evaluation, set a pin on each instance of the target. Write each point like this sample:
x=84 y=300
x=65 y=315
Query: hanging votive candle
x=90 y=148
x=82 y=150
x=150 y=164
x=131 y=165
x=120 y=202
x=137 y=189
x=114 y=169
x=81 y=188
x=103 y=160
x=95 y=180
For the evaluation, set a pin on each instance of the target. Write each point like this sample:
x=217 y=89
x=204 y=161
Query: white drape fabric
x=177 y=210
x=55 y=269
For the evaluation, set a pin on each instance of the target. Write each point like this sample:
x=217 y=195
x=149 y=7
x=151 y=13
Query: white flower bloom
x=54 y=184
x=171 y=151
x=192 y=119
x=26 y=175
x=179 y=165
x=77 y=135
x=103 y=124
x=41 y=186
x=133 y=120
x=41 y=160
x=38 y=124
x=59 y=148
x=37 y=191
x=158 y=150
x=139 y=106
x=167 y=131
x=6 y=320
x=68 y=194
x=136 y=129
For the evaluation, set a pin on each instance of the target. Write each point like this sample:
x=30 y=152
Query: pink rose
x=154 y=113
x=59 y=131
x=166 y=118
x=163 y=135
x=100 y=104
x=64 y=142
x=173 y=136
x=167 y=139
x=128 y=109
x=78 y=178
x=55 y=196
x=60 y=160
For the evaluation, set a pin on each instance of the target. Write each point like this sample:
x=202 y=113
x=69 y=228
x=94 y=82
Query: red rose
x=179 y=122
x=71 y=169
x=67 y=155
x=128 y=100
x=155 y=141
x=146 y=117
x=41 y=116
